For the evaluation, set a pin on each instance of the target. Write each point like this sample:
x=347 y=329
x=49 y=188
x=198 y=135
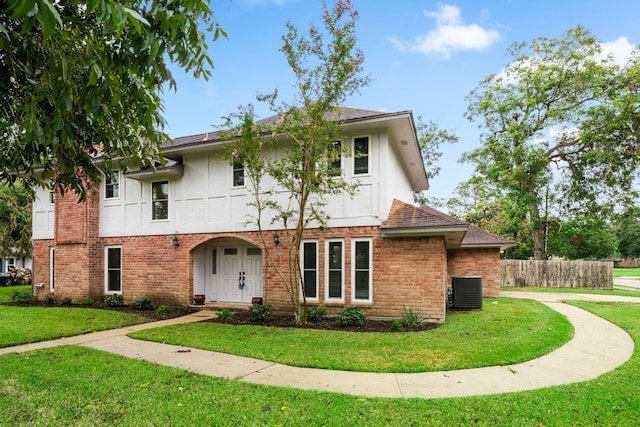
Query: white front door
x=240 y=273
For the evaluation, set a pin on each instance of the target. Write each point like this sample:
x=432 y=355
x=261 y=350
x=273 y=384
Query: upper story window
x=52 y=192
x=160 y=200
x=335 y=158
x=361 y=155
x=112 y=186
x=238 y=174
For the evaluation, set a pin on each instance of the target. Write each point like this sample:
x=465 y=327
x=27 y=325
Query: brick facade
x=477 y=262
x=412 y=272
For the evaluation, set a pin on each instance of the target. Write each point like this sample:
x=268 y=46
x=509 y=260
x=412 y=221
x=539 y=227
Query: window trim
x=353 y=152
x=168 y=218
x=106 y=270
x=116 y=185
x=326 y=271
x=52 y=268
x=236 y=166
x=354 y=241
x=317 y=268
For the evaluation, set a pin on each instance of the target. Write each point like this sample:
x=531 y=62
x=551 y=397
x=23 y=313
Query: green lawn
x=6 y=291
x=625 y=272
x=617 y=292
x=21 y=325
x=79 y=386
x=505 y=332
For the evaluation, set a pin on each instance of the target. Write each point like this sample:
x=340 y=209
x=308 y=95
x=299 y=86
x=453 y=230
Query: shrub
x=113 y=300
x=88 y=301
x=352 y=316
x=396 y=325
x=50 y=299
x=225 y=314
x=163 y=309
x=259 y=312
x=316 y=314
x=411 y=318
x=22 y=297
x=66 y=301
x=142 y=304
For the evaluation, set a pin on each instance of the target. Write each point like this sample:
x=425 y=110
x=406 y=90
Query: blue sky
x=424 y=56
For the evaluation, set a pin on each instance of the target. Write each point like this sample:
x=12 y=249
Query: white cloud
x=450 y=35
x=620 y=50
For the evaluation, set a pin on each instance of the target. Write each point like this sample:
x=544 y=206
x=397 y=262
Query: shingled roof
x=405 y=220
x=346 y=114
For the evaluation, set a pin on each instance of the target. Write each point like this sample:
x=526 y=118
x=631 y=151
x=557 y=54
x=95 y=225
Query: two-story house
x=181 y=231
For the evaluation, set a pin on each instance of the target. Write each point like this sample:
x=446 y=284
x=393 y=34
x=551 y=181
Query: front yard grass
x=617 y=292
x=626 y=272
x=80 y=386
x=6 y=291
x=506 y=331
x=22 y=325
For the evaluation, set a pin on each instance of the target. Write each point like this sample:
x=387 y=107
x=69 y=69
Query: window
x=361 y=269
x=52 y=268
x=335 y=268
x=112 y=186
x=113 y=269
x=52 y=192
x=361 y=155
x=160 y=200
x=238 y=174
x=335 y=158
x=309 y=258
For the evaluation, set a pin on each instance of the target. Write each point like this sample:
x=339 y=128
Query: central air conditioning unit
x=467 y=292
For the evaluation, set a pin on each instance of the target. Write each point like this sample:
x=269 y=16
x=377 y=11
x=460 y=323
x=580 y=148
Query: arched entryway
x=227 y=270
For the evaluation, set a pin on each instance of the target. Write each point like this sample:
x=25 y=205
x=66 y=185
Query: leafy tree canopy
x=559 y=110
x=15 y=220
x=82 y=80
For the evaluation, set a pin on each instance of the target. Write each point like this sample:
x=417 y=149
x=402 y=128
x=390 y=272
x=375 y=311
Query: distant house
x=180 y=231
x=14 y=261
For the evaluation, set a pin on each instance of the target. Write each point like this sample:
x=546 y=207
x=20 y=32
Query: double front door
x=234 y=272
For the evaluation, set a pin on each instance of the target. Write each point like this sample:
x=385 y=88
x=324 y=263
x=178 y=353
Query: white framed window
x=309 y=268
x=238 y=174
x=361 y=270
x=113 y=269
x=160 y=200
x=112 y=186
x=334 y=154
x=334 y=270
x=361 y=148
x=52 y=192
x=52 y=268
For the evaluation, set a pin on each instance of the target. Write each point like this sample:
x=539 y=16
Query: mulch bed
x=329 y=323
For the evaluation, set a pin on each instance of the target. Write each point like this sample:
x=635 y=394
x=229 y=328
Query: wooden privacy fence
x=556 y=274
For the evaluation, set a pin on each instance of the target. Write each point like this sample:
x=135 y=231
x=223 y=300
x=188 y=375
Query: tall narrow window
x=310 y=269
x=52 y=268
x=113 y=269
x=361 y=155
x=335 y=267
x=112 y=186
x=52 y=192
x=238 y=174
x=160 y=200
x=335 y=158
x=361 y=269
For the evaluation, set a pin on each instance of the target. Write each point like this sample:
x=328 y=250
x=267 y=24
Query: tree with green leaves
x=328 y=68
x=627 y=232
x=15 y=220
x=560 y=113
x=430 y=139
x=81 y=83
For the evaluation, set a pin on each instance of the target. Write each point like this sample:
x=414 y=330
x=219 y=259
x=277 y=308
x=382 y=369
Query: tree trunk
x=538 y=232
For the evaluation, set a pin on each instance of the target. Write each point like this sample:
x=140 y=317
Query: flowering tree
x=304 y=172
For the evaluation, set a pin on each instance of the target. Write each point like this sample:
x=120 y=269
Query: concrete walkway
x=597 y=347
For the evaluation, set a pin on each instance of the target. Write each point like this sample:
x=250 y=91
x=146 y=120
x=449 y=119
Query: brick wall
x=407 y=272
x=477 y=262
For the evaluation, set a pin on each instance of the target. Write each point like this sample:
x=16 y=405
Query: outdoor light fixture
x=176 y=242
x=276 y=238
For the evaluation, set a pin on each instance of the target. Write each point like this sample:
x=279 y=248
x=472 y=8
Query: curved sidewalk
x=597 y=347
